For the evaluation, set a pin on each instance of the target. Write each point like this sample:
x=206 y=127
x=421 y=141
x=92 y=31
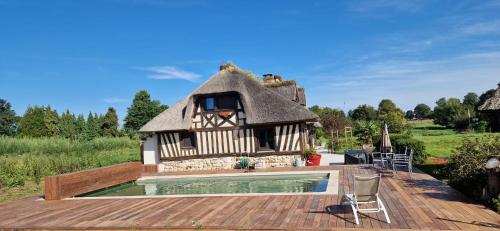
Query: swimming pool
x=224 y=184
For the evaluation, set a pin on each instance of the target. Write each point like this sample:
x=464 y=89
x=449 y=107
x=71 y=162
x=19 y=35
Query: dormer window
x=209 y=104
x=226 y=102
x=219 y=102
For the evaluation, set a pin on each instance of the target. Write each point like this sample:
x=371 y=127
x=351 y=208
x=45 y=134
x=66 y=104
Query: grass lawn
x=440 y=141
x=30 y=188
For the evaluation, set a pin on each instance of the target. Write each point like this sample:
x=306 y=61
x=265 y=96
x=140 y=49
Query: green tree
x=109 y=123
x=92 y=127
x=8 y=119
x=51 y=120
x=331 y=119
x=450 y=113
x=422 y=111
x=486 y=95
x=471 y=99
x=387 y=106
x=409 y=115
x=389 y=113
x=395 y=121
x=365 y=130
x=80 y=126
x=39 y=122
x=142 y=110
x=67 y=125
x=364 y=112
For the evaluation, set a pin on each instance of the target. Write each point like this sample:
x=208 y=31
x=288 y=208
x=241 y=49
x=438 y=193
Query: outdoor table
x=383 y=157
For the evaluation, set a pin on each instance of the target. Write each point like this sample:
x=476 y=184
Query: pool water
x=289 y=183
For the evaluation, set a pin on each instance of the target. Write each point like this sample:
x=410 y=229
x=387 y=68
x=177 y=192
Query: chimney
x=227 y=66
x=268 y=78
x=278 y=78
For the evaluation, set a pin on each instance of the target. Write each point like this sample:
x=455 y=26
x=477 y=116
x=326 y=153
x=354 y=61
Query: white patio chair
x=383 y=158
x=366 y=192
x=404 y=160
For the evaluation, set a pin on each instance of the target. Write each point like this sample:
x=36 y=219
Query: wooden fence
x=77 y=183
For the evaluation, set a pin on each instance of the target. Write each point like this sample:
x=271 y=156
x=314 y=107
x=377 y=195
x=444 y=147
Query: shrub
x=496 y=203
x=310 y=152
x=481 y=126
x=400 y=142
x=467 y=164
x=365 y=130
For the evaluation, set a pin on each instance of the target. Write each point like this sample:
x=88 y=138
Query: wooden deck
x=420 y=203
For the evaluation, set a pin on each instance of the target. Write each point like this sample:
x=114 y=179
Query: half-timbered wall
x=215 y=119
x=227 y=142
x=288 y=138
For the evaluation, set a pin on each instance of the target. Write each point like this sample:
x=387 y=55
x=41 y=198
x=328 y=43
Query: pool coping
x=331 y=189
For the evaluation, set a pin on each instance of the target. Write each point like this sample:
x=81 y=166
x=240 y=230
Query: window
x=226 y=102
x=219 y=102
x=265 y=138
x=209 y=104
x=187 y=140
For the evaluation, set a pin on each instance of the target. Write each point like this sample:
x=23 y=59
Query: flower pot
x=313 y=160
x=225 y=114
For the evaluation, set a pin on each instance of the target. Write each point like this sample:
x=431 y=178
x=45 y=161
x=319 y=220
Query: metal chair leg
x=382 y=207
x=355 y=212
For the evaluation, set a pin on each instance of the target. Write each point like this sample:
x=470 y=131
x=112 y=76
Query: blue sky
x=89 y=55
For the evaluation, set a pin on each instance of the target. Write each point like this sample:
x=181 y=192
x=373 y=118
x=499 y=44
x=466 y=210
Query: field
x=440 y=141
x=24 y=162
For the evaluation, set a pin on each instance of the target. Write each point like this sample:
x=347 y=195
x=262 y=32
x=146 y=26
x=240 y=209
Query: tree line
x=44 y=121
x=450 y=112
x=455 y=113
x=365 y=120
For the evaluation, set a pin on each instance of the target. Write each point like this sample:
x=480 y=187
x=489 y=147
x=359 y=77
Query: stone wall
x=227 y=163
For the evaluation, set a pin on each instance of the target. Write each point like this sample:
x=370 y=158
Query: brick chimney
x=268 y=78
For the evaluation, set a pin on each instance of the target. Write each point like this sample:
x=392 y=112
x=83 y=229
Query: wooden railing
x=77 y=183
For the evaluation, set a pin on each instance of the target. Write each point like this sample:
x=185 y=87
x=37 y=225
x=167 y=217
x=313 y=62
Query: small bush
x=496 y=203
x=467 y=164
x=481 y=126
x=400 y=142
x=365 y=130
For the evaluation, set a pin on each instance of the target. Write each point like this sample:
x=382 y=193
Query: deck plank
x=421 y=202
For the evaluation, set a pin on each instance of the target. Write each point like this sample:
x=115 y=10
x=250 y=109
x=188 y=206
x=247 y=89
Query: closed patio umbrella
x=385 y=141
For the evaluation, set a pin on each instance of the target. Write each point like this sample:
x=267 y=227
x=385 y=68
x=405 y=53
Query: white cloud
x=114 y=100
x=171 y=72
x=407 y=82
x=488 y=27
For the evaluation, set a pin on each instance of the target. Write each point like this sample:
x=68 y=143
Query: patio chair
x=383 y=158
x=404 y=160
x=366 y=192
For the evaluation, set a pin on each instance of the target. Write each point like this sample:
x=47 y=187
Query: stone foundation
x=228 y=163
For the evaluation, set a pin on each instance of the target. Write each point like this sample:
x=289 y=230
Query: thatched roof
x=287 y=91
x=262 y=105
x=493 y=103
x=301 y=96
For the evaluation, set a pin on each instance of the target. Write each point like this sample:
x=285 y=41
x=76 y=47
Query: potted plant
x=312 y=158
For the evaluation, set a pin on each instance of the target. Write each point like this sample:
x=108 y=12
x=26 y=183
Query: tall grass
x=33 y=158
x=54 y=145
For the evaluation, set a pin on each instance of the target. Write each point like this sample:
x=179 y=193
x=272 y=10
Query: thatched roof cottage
x=491 y=108
x=232 y=115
